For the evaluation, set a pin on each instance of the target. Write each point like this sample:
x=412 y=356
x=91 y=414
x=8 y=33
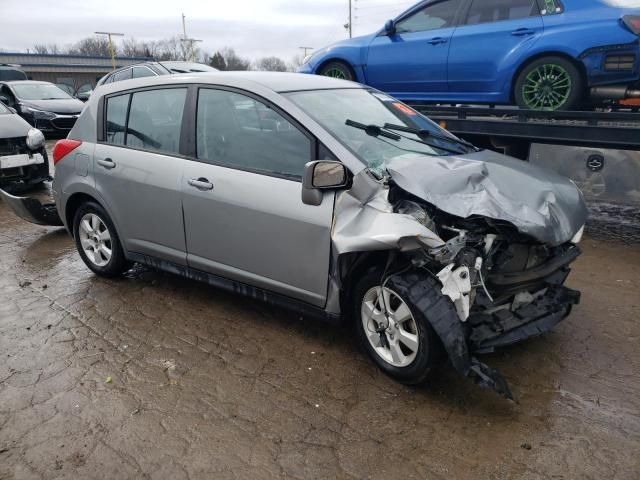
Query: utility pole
x=188 y=40
x=111 y=49
x=305 y=50
x=350 y=20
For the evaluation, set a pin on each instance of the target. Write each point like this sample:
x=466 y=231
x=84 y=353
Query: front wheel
x=337 y=70
x=549 y=83
x=392 y=324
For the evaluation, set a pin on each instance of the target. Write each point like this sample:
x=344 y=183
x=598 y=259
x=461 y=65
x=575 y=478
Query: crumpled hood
x=13 y=125
x=539 y=202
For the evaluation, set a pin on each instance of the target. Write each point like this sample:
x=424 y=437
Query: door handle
x=437 y=41
x=521 y=32
x=107 y=163
x=201 y=183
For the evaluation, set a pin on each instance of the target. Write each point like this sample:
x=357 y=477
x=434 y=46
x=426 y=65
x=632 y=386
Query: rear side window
x=240 y=132
x=122 y=75
x=431 y=17
x=148 y=120
x=488 y=11
x=155 y=120
x=117 y=118
x=139 y=72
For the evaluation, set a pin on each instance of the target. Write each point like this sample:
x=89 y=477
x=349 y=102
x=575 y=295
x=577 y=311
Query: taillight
x=632 y=22
x=63 y=148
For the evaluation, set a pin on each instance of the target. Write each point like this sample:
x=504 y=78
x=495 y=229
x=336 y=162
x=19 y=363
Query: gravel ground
x=154 y=376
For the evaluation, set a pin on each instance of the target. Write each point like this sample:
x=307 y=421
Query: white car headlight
x=578 y=236
x=35 y=139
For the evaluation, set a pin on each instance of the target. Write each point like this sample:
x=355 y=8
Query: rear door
x=243 y=213
x=492 y=40
x=414 y=58
x=138 y=170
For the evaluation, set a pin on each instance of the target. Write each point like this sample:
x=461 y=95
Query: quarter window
x=487 y=11
x=238 y=131
x=431 y=17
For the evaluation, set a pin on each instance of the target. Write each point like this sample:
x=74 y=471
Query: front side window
x=155 y=120
x=431 y=17
x=334 y=108
x=238 y=131
x=488 y=11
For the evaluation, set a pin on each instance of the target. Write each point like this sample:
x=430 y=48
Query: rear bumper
x=32 y=210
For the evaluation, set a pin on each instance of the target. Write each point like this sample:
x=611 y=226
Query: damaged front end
x=506 y=286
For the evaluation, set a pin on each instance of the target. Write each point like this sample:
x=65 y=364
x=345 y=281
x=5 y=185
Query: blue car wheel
x=549 y=83
x=337 y=69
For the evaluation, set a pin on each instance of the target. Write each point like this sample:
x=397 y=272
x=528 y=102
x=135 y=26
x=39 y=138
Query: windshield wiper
x=373 y=130
x=424 y=134
x=384 y=131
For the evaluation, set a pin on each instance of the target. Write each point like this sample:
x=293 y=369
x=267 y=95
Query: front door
x=244 y=217
x=489 y=44
x=138 y=172
x=413 y=60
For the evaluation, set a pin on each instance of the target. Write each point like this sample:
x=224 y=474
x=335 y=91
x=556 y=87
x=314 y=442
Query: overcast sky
x=255 y=28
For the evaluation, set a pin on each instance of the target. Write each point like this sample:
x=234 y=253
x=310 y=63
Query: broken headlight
x=35 y=139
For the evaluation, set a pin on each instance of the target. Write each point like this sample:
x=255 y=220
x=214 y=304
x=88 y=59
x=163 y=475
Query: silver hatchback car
x=327 y=197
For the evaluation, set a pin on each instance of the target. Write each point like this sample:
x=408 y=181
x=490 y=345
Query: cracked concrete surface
x=205 y=384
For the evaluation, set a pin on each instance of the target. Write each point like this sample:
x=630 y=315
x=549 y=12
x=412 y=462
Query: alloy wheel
x=390 y=326
x=547 y=87
x=335 y=73
x=95 y=239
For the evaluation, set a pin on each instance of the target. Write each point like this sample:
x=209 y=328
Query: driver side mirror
x=389 y=27
x=322 y=175
x=4 y=100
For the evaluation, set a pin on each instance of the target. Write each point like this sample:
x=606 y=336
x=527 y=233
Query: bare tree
x=271 y=64
x=94 y=46
x=233 y=61
x=52 y=48
x=217 y=61
x=295 y=63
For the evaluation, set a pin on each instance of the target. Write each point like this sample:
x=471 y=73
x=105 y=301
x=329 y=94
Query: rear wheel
x=337 y=70
x=393 y=329
x=97 y=241
x=549 y=83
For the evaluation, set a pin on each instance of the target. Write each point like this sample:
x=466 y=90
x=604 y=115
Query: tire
x=549 y=83
x=337 y=69
x=88 y=239
x=419 y=292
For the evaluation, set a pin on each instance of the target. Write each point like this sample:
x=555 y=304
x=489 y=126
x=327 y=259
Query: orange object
x=404 y=109
x=630 y=102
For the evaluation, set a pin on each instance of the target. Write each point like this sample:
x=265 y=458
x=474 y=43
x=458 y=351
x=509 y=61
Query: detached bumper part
x=32 y=210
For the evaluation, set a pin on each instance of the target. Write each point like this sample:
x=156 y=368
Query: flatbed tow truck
x=599 y=150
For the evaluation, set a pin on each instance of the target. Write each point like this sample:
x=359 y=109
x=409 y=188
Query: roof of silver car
x=276 y=81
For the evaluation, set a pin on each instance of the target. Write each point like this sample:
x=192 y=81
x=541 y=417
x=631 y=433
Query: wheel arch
x=549 y=53
x=73 y=203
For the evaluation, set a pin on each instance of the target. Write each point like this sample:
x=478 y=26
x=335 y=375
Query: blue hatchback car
x=538 y=54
